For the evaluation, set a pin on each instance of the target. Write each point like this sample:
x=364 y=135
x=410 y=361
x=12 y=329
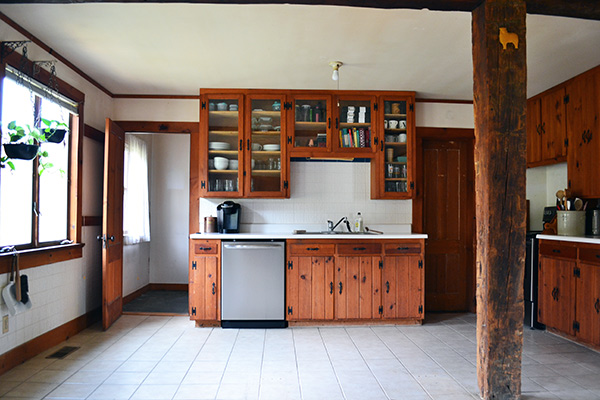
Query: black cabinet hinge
x=204 y=105
x=289 y=140
x=193 y=264
x=193 y=310
x=380 y=309
x=576 y=326
x=203 y=184
x=412 y=107
x=380 y=264
x=577 y=272
x=566 y=99
x=420 y=309
x=376 y=106
x=285 y=184
x=244 y=173
x=566 y=142
x=290 y=265
x=290 y=310
x=420 y=264
x=412 y=185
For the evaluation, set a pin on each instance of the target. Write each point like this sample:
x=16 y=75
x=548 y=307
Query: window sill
x=30 y=258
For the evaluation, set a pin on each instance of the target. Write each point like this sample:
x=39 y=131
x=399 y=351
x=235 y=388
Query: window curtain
x=136 y=206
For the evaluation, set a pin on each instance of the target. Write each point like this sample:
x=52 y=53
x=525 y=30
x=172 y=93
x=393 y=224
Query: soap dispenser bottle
x=358 y=223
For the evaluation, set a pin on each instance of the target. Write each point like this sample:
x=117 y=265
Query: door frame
x=173 y=127
x=454 y=134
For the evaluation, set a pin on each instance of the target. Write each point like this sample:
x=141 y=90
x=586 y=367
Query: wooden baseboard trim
x=169 y=286
x=161 y=314
x=407 y=321
x=35 y=346
x=136 y=294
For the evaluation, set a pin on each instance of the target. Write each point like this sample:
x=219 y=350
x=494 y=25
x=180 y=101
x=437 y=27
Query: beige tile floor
x=144 y=357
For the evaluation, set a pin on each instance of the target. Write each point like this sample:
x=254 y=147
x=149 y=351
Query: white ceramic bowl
x=222 y=106
x=221 y=163
x=271 y=147
x=233 y=164
x=265 y=127
x=219 y=146
x=265 y=120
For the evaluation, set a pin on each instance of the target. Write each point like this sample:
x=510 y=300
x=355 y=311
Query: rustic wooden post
x=500 y=81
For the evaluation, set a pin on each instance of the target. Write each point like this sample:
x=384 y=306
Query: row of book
x=355 y=137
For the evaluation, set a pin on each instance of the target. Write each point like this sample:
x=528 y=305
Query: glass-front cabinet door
x=311 y=124
x=221 y=135
x=354 y=127
x=266 y=160
x=394 y=161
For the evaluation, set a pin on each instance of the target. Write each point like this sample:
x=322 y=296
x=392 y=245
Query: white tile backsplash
x=320 y=191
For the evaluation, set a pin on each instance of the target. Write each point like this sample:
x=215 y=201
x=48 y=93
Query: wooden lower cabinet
x=347 y=280
x=204 y=285
x=569 y=289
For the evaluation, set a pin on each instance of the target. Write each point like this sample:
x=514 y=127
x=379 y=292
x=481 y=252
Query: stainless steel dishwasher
x=253 y=284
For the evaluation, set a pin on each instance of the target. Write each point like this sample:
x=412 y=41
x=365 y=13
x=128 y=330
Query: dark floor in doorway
x=160 y=301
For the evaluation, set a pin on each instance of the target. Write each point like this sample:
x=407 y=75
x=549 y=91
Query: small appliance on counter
x=228 y=217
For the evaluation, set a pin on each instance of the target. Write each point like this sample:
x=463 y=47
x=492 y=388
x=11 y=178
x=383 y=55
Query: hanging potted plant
x=53 y=131
x=23 y=142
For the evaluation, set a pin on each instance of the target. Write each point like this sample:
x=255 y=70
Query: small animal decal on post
x=507 y=37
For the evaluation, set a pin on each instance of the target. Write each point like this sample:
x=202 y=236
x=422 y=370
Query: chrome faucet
x=331 y=227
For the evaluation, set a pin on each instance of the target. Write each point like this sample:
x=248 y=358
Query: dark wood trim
x=92 y=220
x=32 y=348
x=169 y=286
x=158 y=96
x=93 y=133
x=152 y=313
x=447 y=101
x=134 y=295
x=158 y=126
x=584 y=9
x=30 y=258
x=51 y=51
x=547 y=162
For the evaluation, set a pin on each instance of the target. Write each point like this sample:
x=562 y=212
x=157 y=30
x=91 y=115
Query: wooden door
x=402 y=287
x=357 y=290
x=583 y=131
x=448 y=219
x=112 y=225
x=553 y=125
x=204 y=285
x=534 y=132
x=588 y=295
x=310 y=288
x=556 y=289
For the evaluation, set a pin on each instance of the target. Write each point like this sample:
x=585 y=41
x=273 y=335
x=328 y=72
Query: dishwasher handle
x=260 y=246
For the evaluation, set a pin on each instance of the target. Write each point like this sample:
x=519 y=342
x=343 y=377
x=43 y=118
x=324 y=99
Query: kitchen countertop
x=291 y=235
x=578 y=239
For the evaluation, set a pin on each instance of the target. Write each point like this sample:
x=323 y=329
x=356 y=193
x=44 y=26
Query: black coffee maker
x=228 y=217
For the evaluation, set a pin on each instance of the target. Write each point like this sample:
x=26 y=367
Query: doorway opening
x=155 y=269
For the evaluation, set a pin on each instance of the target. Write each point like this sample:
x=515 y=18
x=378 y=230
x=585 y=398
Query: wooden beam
x=500 y=83
x=158 y=126
x=584 y=9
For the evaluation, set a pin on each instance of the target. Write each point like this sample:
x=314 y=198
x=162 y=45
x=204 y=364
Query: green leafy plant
x=53 y=130
x=27 y=134
x=24 y=134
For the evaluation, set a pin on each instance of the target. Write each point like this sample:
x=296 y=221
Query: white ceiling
x=179 y=48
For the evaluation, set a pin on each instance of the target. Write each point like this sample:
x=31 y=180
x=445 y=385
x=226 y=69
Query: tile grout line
x=296 y=362
x=227 y=363
x=337 y=378
x=262 y=362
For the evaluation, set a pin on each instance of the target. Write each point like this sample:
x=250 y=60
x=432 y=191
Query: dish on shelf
x=258 y=110
x=401 y=159
x=222 y=106
x=221 y=163
x=271 y=147
x=265 y=120
x=265 y=128
x=219 y=146
x=277 y=128
x=233 y=164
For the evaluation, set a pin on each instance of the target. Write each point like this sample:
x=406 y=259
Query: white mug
x=402 y=124
x=393 y=124
x=257 y=147
x=402 y=137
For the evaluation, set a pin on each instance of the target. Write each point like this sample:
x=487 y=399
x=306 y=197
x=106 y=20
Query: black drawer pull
x=555 y=250
x=359 y=248
x=213 y=288
x=387 y=287
x=402 y=248
x=330 y=287
x=597 y=306
x=204 y=248
x=312 y=249
x=340 y=287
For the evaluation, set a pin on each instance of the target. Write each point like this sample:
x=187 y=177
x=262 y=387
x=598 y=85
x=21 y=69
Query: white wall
x=169 y=208
x=63 y=291
x=542 y=185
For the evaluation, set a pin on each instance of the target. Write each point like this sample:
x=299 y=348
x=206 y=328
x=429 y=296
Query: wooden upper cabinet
x=583 y=123
x=310 y=124
x=355 y=118
x=546 y=128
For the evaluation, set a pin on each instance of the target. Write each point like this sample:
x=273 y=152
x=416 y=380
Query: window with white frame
x=34 y=200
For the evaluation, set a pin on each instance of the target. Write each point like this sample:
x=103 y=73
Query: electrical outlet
x=5 y=324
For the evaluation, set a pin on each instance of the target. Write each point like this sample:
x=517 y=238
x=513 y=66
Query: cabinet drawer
x=591 y=256
x=311 y=249
x=359 y=249
x=403 y=248
x=557 y=250
x=206 y=246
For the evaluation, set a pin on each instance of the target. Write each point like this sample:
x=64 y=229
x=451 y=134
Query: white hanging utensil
x=11 y=294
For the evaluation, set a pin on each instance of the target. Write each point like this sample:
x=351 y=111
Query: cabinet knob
x=340 y=286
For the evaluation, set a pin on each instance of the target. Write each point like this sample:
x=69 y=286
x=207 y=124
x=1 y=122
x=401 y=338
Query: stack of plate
x=219 y=146
x=271 y=147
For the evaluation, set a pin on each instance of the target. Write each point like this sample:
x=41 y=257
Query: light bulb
x=336 y=75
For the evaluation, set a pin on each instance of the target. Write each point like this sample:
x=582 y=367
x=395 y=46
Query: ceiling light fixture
x=336 y=66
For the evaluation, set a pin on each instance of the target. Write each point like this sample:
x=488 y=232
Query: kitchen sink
x=304 y=232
